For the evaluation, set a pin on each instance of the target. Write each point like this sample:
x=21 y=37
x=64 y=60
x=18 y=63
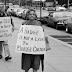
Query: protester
x=30 y=60
x=4 y=44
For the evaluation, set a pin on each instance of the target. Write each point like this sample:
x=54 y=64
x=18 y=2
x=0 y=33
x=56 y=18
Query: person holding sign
x=4 y=43
x=31 y=60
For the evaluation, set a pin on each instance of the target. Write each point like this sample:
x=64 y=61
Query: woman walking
x=31 y=60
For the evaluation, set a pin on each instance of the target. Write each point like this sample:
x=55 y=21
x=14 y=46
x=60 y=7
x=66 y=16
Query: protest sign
x=5 y=28
x=31 y=40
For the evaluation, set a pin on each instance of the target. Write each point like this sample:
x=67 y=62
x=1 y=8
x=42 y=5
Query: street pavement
x=58 y=59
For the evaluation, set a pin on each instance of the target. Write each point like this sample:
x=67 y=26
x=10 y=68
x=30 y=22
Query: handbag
x=47 y=44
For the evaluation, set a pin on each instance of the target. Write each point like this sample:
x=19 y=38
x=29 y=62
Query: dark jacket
x=35 y=22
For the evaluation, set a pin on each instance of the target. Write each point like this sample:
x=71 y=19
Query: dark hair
x=28 y=12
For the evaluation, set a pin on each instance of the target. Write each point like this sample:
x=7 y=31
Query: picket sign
x=5 y=28
x=31 y=40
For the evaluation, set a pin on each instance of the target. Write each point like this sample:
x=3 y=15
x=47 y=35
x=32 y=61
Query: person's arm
x=12 y=23
x=46 y=38
x=41 y=25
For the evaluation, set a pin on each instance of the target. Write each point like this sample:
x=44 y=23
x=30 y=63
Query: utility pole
x=68 y=4
x=4 y=4
x=19 y=2
x=40 y=8
x=43 y=4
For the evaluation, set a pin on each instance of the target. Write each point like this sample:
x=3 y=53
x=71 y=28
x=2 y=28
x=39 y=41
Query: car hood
x=61 y=18
x=62 y=15
x=19 y=12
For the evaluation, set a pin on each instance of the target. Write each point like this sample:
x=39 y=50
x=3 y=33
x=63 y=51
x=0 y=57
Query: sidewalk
x=15 y=64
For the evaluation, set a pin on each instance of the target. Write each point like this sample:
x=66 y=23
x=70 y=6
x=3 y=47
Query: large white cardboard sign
x=31 y=40
x=5 y=28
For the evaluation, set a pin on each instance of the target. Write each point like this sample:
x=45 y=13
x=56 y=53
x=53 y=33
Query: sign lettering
x=5 y=28
x=31 y=40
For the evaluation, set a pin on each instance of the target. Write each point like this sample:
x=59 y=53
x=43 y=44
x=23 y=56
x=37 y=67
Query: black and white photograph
x=35 y=35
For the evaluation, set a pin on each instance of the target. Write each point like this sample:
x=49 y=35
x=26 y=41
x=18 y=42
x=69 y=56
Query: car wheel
x=67 y=29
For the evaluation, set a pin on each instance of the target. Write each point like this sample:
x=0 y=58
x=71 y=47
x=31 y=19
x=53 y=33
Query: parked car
x=51 y=8
x=9 y=10
x=51 y=21
x=59 y=8
x=68 y=25
x=23 y=14
x=48 y=20
x=16 y=6
x=43 y=20
x=56 y=19
x=2 y=13
x=14 y=11
x=18 y=12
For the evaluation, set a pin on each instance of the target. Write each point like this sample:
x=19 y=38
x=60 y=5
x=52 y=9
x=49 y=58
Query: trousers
x=4 y=46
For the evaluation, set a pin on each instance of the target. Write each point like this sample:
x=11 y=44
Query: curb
x=64 y=43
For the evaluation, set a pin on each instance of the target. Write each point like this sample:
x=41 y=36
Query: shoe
x=8 y=58
x=0 y=56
